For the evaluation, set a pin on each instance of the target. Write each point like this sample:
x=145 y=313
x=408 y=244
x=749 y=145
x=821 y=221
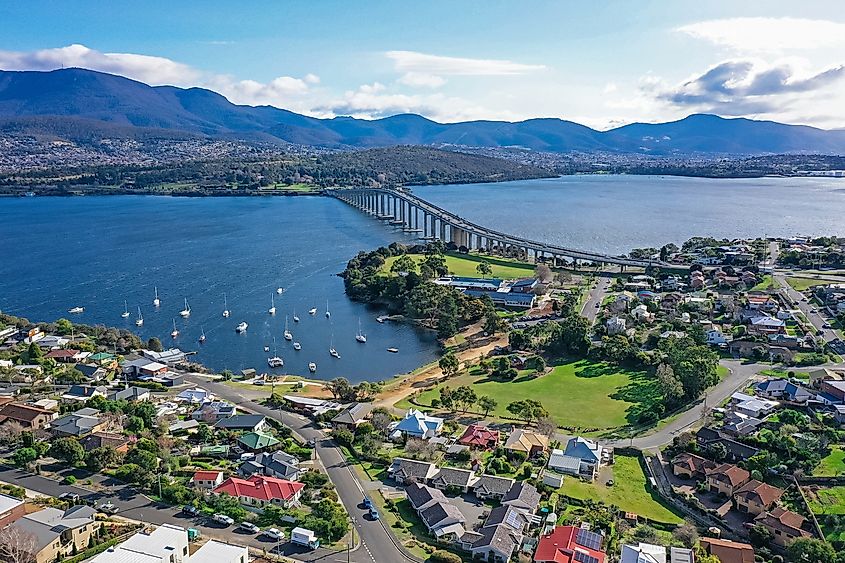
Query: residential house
x=417 y=424
x=527 y=442
x=245 y=422
x=106 y=439
x=641 y=314
x=92 y=372
x=422 y=497
x=785 y=525
x=131 y=394
x=716 y=337
x=279 y=464
x=195 y=396
x=492 y=487
x=784 y=390
x=728 y=551
x=756 y=497
x=81 y=393
x=352 y=416
x=453 y=478
x=188 y=426
x=77 y=424
x=522 y=496
x=443 y=520
x=562 y=463
x=207 y=480
x=563 y=543
x=833 y=388
x=142 y=367
x=58 y=533
x=839 y=414
x=479 y=437
x=739 y=424
x=28 y=416
x=766 y=325
x=692 y=466
x=169 y=544
x=751 y=406
x=588 y=451
x=259 y=490
x=212 y=411
x=257 y=441
x=616 y=325
x=648 y=553
x=727 y=478
x=736 y=451
x=65 y=356
x=11 y=509
x=494 y=544
x=406 y=471
x=170 y=357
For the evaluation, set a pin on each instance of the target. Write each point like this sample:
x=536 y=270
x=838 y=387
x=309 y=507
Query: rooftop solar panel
x=582 y=557
x=588 y=539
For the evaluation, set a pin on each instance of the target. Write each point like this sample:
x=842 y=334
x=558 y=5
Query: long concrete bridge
x=416 y=215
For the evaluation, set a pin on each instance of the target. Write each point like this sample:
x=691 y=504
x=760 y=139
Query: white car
x=222 y=519
x=249 y=527
x=274 y=534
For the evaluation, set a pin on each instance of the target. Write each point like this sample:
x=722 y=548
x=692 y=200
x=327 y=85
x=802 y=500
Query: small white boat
x=272 y=309
x=266 y=348
x=287 y=334
x=140 y=320
x=280 y=290
x=186 y=312
x=312 y=367
x=275 y=362
x=242 y=326
x=175 y=332
x=156 y=301
x=297 y=346
x=328 y=313
x=333 y=353
x=393 y=350
x=295 y=318
x=76 y=310
x=225 y=306
x=380 y=319
x=360 y=337
x=202 y=336
x=125 y=313
x=312 y=311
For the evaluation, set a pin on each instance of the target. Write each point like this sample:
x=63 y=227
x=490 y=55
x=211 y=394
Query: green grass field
x=828 y=501
x=803 y=284
x=833 y=464
x=581 y=393
x=629 y=491
x=765 y=284
x=466 y=264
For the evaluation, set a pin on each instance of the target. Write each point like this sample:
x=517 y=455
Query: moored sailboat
x=140 y=320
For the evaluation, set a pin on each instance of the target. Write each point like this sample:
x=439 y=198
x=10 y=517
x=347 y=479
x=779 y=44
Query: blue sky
x=602 y=65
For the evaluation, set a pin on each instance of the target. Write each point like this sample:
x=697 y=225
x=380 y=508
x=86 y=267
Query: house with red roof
x=259 y=490
x=569 y=544
x=481 y=437
x=207 y=480
x=62 y=355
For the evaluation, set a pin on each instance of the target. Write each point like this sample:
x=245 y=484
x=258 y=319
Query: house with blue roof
x=784 y=390
x=417 y=424
x=505 y=298
x=524 y=285
x=586 y=450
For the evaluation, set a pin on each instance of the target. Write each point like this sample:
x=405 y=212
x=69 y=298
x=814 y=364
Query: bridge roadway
x=405 y=209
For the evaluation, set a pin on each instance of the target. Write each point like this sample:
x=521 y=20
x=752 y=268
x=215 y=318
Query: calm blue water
x=616 y=213
x=56 y=253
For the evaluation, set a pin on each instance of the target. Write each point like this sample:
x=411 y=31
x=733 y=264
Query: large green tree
x=68 y=449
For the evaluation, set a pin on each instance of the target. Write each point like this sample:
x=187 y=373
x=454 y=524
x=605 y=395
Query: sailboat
x=295 y=318
x=125 y=313
x=202 y=336
x=280 y=290
x=186 y=312
x=297 y=346
x=312 y=311
x=175 y=331
x=156 y=301
x=242 y=326
x=360 y=337
x=328 y=313
x=272 y=309
x=225 y=306
x=275 y=361
x=140 y=320
x=332 y=352
x=288 y=335
x=312 y=367
x=76 y=310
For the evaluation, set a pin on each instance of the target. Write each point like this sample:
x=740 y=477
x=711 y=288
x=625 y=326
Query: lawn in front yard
x=831 y=465
x=803 y=284
x=577 y=393
x=765 y=284
x=465 y=265
x=629 y=492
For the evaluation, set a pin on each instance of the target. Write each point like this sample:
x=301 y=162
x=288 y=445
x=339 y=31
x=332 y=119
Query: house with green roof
x=258 y=441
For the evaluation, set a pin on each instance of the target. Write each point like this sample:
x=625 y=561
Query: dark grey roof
x=501 y=538
x=440 y=511
x=453 y=476
x=421 y=495
x=131 y=394
x=239 y=421
x=412 y=468
x=48 y=524
x=353 y=414
x=494 y=484
x=736 y=450
x=75 y=424
x=524 y=495
x=249 y=467
x=508 y=516
x=88 y=370
x=280 y=463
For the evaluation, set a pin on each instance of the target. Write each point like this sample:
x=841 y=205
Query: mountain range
x=79 y=104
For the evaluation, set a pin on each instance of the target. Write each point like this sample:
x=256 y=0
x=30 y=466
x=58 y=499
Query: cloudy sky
x=459 y=60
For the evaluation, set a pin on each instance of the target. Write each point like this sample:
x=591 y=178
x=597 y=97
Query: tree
x=492 y=322
x=204 y=432
x=546 y=426
x=64 y=326
x=810 y=550
x=465 y=397
x=154 y=344
x=328 y=520
x=135 y=425
x=487 y=404
x=102 y=457
x=449 y=364
x=543 y=273
x=687 y=534
x=447 y=398
x=484 y=268
x=527 y=409
x=760 y=536
x=34 y=355
x=142 y=458
x=24 y=456
x=68 y=449
x=403 y=264
x=447 y=322
x=17 y=545
x=340 y=388
x=673 y=390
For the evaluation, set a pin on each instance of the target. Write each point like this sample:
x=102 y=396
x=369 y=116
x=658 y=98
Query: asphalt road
x=596 y=296
x=798 y=300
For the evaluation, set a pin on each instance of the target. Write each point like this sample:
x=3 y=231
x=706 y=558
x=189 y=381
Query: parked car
x=223 y=519
x=109 y=508
x=190 y=510
x=72 y=498
x=367 y=503
x=826 y=325
x=274 y=534
x=374 y=513
x=249 y=527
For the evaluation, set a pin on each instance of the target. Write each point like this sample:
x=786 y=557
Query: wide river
x=613 y=214
x=96 y=252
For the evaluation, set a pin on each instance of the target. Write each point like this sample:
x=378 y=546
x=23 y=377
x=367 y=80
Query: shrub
x=443 y=556
x=69 y=480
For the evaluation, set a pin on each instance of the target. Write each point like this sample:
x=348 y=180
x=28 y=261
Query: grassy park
x=578 y=393
x=629 y=492
x=803 y=284
x=465 y=265
x=831 y=465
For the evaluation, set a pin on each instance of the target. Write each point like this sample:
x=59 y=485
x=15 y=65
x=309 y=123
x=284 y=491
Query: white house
x=586 y=450
x=562 y=463
x=716 y=337
x=616 y=325
x=752 y=406
x=641 y=314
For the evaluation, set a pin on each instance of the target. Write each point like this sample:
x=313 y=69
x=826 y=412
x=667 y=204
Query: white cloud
x=421 y=80
x=412 y=61
x=610 y=87
x=768 y=34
